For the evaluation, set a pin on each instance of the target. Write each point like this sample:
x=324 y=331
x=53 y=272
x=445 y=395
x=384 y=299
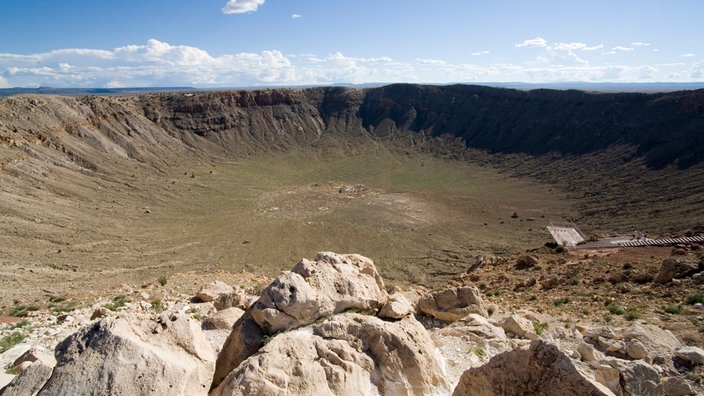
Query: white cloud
x=157 y=63
x=296 y=16
x=617 y=49
x=688 y=55
x=640 y=44
x=241 y=6
x=536 y=42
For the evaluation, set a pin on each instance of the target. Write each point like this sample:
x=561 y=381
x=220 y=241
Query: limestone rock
x=540 y=369
x=588 y=353
x=123 y=356
x=237 y=298
x=31 y=356
x=30 y=381
x=636 y=350
x=639 y=377
x=635 y=342
x=225 y=318
x=518 y=325
x=609 y=377
x=331 y=284
x=397 y=307
x=480 y=326
x=452 y=304
x=345 y=354
x=676 y=387
x=211 y=291
x=672 y=268
x=691 y=354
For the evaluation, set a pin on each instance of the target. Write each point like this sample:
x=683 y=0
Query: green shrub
x=478 y=352
x=614 y=308
x=21 y=311
x=673 y=309
x=22 y=323
x=157 y=305
x=162 y=280
x=10 y=340
x=538 y=327
x=57 y=299
x=631 y=314
x=696 y=298
x=117 y=302
x=561 y=301
x=490 y=309
x=532 y=297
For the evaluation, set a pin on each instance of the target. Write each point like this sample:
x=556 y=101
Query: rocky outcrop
x=452 y=304
x=330 y=284
x=213 y=290
x=350 y=354
x=540 y=369
x=673 y=268
x=129 y=357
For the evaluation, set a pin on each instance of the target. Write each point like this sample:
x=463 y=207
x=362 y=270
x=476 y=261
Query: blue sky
x=235 y=43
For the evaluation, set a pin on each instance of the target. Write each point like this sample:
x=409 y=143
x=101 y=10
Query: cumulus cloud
x=688 y=55
x=536 y=42
x=241 y=6
x=296 y=16
x=640 y=44
x=157 y=63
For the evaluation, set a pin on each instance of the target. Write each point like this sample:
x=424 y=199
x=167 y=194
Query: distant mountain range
x=576 y=85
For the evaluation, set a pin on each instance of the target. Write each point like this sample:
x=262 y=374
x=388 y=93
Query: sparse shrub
x=538 y=327
x=673 y=309
x=19 y=325
x=490 y=310
x=59 y=309
x=614 y=308
x=608 y=318
x=532 y=297
x=21 y=311
x=482 y=286
x=57 y=299
x=162 y=280
x=478 y=352
x=558 y=250
x=561 y=301
x=575 y=281
x=117 y=302
x=696 y=298
x=10 y=340
x=157 y=305
x=631 y=314
x=585 y=311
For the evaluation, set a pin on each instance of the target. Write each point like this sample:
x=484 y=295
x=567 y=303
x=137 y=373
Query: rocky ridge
x=329 y=326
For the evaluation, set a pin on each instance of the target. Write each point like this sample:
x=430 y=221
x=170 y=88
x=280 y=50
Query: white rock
x=213 y=290
x=452 y=304
x=691 y=354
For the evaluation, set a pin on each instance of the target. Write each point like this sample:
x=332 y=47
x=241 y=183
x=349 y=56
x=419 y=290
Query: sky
x=249 y=43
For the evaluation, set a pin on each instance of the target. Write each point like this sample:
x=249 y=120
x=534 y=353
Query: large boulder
x=30 y=381
x=350 y=354
x=330 y=284
x=672 y=268
x=124 y=356
x=540 y=369
x=633 y=342
x=211 y=291
x=452 y=304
